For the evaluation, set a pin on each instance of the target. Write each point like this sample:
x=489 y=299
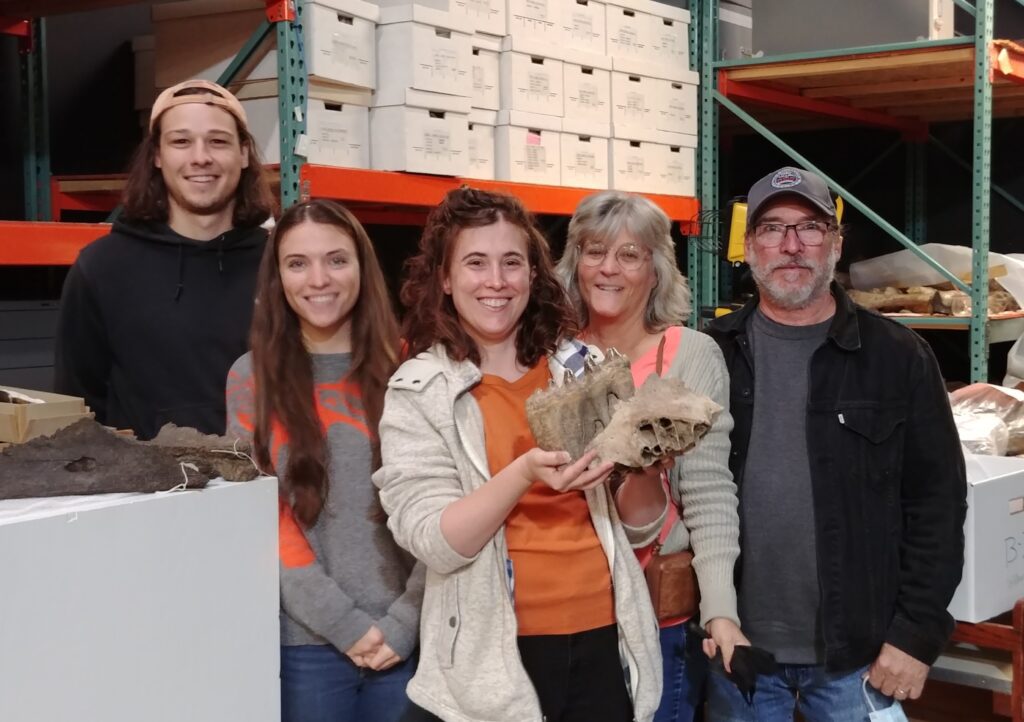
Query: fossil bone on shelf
x=602 y=410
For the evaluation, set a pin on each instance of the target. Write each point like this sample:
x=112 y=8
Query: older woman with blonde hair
x=620 y=272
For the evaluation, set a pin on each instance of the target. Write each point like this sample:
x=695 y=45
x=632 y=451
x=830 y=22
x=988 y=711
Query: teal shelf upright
x=36 y=122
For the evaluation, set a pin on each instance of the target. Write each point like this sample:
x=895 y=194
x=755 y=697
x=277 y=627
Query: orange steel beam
x=352 y=185
x=15 y=26
x=27 y=243
x=279 y=10
x=1007 y=61
x=911 y=129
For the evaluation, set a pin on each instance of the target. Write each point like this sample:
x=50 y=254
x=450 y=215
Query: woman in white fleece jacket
x=535 y=607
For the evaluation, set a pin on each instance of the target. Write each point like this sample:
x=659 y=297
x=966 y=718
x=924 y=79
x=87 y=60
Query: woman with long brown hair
x=535 y=607
x=310 y=393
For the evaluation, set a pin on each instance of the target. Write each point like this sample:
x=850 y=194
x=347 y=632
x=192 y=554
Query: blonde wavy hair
x=602 y=217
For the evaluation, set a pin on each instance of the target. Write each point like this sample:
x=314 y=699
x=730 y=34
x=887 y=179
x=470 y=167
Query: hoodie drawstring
x=220 y=254
x=181 y=272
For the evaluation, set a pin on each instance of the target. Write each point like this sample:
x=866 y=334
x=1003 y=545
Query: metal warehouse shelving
x=375 y=196
x=899 y=87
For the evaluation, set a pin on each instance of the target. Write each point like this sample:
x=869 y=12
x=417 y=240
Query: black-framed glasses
x=809 y=233
x=629 y=256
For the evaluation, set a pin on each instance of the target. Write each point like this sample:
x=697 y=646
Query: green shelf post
x=36 y=125
x=291 y=104
x=706 y=291
x=915 y=214
x=981 y=190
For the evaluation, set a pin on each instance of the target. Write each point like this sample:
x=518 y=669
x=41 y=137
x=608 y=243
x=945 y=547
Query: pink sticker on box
x=532 y=137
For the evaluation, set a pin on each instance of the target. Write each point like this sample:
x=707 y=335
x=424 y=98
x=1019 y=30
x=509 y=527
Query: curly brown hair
x=145 y=194
x=431 y=317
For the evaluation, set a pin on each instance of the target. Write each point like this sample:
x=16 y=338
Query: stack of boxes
x=582 y=93
x=199 y=38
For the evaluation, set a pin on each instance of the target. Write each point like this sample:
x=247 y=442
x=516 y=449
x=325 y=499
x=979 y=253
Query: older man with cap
x=850 y=476
x=153 y=314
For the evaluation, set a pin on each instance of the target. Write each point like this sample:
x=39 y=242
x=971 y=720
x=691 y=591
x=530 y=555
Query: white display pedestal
x=131 y=607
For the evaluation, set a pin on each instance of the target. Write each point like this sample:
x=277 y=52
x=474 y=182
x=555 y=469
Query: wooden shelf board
x=931 y=84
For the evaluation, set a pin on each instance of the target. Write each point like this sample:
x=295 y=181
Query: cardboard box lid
x=586 y=59
x=582 y=126
x=669 y=12
x=647 y=134
x=649 y=69
x=982 y=468
x=532 y=46
x=486 y=42
x=480 y=116
x=414 y=13
x=433 y=101
x=535 y=121
x=317 y=89
x=359 y=8
x=640 y=6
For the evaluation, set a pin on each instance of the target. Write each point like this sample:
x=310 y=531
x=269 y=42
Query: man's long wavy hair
x=283 y=369
x=431 y=317
x=145 y=194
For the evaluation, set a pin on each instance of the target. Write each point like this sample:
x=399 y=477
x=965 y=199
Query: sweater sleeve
x=83 y=359
x=705 y=485
x=308 y=595
x=417 y=480
x=401 y=625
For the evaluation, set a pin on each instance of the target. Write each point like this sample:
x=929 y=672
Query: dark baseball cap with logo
x=789 y=181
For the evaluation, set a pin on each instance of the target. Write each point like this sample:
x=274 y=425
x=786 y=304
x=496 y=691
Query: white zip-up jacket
x=433 y=451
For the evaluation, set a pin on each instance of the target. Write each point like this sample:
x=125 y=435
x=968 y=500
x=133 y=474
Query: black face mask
x=747 y=664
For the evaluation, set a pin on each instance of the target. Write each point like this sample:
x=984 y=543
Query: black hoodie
x=151 y=321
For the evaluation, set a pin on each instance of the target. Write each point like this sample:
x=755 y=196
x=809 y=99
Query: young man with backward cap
x=850 y=475
x=153 y=314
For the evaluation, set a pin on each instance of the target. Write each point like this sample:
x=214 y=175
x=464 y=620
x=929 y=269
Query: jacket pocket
x=450 y=622
x=873 y=442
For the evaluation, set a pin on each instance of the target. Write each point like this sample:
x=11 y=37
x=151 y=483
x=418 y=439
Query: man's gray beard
x=800 y=298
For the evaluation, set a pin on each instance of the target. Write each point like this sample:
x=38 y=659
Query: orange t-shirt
x=562 y=581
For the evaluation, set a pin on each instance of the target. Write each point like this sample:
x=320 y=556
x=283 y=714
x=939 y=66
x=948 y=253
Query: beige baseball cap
x=214 y=95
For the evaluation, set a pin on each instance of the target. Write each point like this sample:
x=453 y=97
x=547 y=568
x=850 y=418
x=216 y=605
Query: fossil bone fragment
x=602 y=410
x=567 y=417
x=214 y=455
x=663 y=418
x=85 y=458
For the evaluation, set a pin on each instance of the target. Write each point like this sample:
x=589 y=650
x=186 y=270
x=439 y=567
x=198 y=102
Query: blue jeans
x=684 y=671
x=320 y=684
x=820 y=696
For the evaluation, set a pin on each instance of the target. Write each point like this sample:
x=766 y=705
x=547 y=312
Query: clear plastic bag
x=1015 y=364
x=989 y=419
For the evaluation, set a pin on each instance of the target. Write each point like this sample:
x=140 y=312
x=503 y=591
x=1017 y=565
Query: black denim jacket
x=887 y=475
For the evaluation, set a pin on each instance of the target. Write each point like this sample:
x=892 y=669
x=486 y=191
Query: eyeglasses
x=629 y=256
x=810 y=233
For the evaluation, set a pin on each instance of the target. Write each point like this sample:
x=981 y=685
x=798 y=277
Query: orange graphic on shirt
x=336 y=403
